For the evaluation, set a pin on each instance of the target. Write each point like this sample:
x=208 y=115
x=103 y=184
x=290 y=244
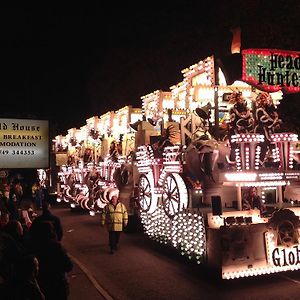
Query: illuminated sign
x=282 y=240
x=272 y=70
x=24 y=143
x=282 y=257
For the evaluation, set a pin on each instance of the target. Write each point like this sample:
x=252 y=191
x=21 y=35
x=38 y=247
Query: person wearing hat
x=115 y=216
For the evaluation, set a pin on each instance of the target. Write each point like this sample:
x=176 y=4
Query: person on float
x=267 y=121
x=252 y=200
x=113 y=151
x=115 y=216
x=167 y=139
x=241 y=120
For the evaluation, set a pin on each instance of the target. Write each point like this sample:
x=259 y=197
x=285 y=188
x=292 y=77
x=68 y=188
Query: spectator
x=25 y=219
x=115 y=216
x=4 y=218
x=18 y=190
x=39 y=196
x=26 y=224
x=12 y=205
x=9 y=254
x=54 y=262
x=6 y=190
x=3 y=202
x=25 y=285
x=15 y=229
x=48 y=216
x=34 y=188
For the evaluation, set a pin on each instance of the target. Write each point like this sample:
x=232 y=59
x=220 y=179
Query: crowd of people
x=13 y=197
x=33 y=262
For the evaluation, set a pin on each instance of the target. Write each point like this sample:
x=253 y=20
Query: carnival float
x=206 y=167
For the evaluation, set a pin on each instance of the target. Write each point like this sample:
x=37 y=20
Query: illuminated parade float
x=206 y=167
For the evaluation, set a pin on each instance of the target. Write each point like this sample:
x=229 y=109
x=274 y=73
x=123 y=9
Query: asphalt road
x=142 y=269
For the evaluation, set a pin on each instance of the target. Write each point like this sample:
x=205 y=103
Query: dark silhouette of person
x=15 y=229
x=12 y=205
x=10 y=252
x=24 y=284
x=4 y=218
x=39 y=195
x=54 y=262
x=47 y=215
x=18 y=191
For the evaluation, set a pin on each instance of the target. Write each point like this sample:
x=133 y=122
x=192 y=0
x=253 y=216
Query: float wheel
x=175 y=196
x=145 y=193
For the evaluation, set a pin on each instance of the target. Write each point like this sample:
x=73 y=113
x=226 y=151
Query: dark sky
x=66 y=64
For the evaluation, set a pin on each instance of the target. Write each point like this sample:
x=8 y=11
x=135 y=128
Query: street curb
x=92 y=279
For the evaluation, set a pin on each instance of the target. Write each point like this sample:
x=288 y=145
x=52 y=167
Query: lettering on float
x=275 y=76
x=282 y=257
x=272 y=70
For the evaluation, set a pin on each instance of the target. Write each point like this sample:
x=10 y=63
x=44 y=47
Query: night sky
x=67 y=64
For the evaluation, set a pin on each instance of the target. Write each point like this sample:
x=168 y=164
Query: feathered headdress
x=262 y=99
x=173 y=134
x=234 y=97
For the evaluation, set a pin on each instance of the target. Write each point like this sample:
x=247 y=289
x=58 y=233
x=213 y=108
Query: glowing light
x=241 y=176
x=179 y=232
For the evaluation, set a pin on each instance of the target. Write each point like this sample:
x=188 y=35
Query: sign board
x=272 y=70
x=24 y=143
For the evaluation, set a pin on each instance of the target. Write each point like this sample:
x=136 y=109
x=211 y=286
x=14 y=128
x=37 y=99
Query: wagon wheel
x=146 y=199
x=174 y=197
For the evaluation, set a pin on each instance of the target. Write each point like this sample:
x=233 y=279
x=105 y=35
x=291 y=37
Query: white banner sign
x=24 y=143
